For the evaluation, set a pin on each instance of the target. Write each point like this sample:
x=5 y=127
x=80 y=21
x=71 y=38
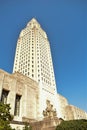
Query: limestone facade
x=69 y=112
x=62 y=101
x=30 y=94
x=28 y=100
x=73 y=112
x=26 y=89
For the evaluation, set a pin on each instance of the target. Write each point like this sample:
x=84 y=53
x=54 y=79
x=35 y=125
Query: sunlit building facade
x=33 y=55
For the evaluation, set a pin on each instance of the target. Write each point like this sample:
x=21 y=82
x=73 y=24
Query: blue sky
x=65 y=23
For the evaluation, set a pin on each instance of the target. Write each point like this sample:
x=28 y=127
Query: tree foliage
x=27 y=127
x=73 y=125
x=5 y=117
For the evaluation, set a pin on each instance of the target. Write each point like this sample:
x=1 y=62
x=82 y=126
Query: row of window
x=46 y=80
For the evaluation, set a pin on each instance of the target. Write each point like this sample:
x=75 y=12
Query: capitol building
x=31 y=88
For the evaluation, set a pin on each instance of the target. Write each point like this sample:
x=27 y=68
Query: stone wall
x=74 y=112
x=62 y=101
x=17 y=84
x=69 y=112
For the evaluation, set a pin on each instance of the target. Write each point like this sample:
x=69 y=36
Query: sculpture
x=49 y=111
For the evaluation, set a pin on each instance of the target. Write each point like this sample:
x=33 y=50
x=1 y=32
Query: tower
x=33 y=55
x=33 y=59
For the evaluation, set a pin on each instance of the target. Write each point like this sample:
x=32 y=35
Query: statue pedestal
x=48 y=123
x=50 y=120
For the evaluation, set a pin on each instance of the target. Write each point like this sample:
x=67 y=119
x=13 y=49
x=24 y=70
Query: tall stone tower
x=33 y=59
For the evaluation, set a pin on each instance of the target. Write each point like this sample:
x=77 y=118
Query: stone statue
x=49 y=111
x=54 y=113
x=44 y=113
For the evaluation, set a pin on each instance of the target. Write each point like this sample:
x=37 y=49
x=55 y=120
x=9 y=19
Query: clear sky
x=65 y=22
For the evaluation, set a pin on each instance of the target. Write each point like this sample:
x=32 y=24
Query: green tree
x=27 y=127
x=73 y=125
x=5 y=117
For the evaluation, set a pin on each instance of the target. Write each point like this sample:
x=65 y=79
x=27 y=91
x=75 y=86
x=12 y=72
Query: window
x=25 y=70
x=32 y=75
x=17 y=105
x=38 y=80
x=38 y=75
x=32 y=66
x=4 y=96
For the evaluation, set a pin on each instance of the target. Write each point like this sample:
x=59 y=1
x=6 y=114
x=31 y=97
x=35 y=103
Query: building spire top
x=33 y=21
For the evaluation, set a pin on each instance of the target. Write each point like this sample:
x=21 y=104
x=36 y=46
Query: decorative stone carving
x=49 y=111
